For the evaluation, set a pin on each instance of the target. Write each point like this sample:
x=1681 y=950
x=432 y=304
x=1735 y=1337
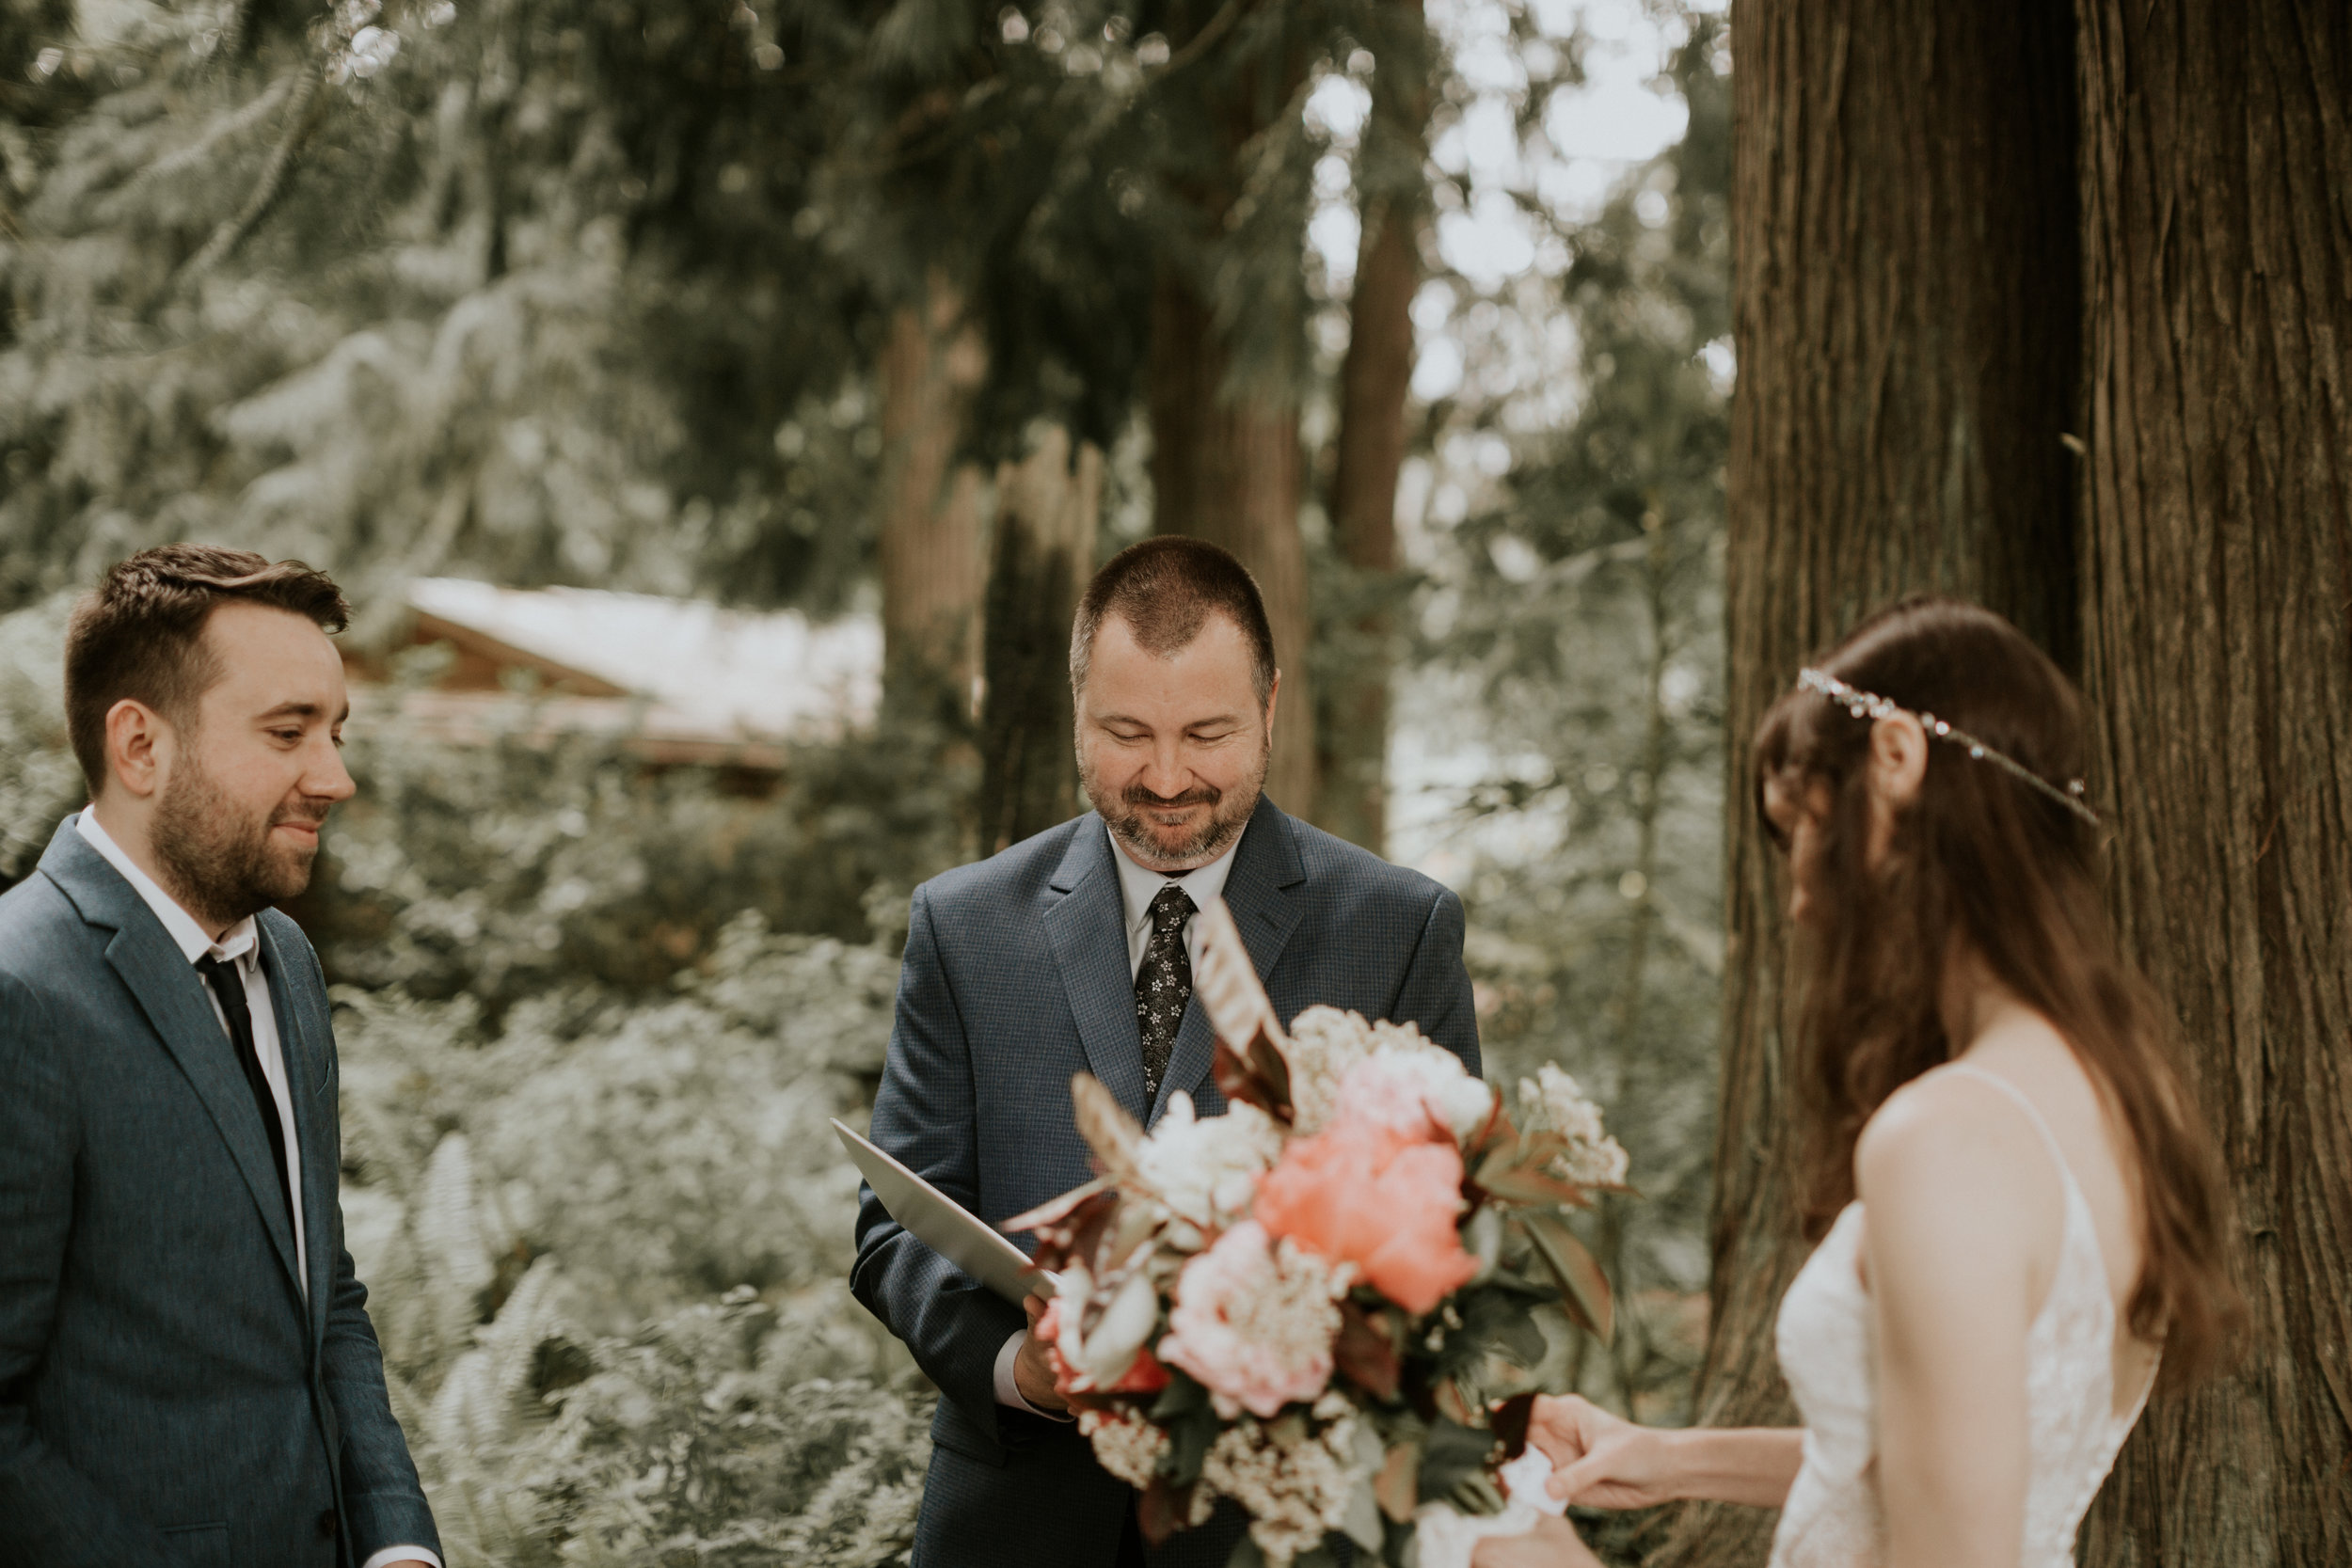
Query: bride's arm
x=1954 y=1218
x=1603 y=1461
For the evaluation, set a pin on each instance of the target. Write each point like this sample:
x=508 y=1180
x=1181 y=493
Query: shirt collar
x=1138 y=886
x=192 y=939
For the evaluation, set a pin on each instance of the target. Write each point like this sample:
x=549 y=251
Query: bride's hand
x=1552 y=1543
x=1599 y=1460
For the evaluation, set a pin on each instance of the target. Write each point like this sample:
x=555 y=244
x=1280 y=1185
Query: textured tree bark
x=1048 y=509
x=2216 y=501
x=1374 y=381
x=1904 y=314
x=929 y=511
x=1226 y=467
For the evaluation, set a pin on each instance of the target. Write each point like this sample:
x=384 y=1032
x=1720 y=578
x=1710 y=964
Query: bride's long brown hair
x=1982 y=858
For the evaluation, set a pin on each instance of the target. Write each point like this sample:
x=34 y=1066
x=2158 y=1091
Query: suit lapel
x=1088 y=930
x=301 y=1054
x=1260 y=891
x=172 y=995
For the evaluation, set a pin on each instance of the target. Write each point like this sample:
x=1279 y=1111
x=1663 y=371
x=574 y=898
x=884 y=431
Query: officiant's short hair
x=1166 y=589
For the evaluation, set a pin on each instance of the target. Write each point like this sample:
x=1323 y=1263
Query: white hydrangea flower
x=1552 y=1100
x=1328 y=1043
x=1294 y=1485
x=1205 y=1169
x=1325 y=1043
x=1126 y=1444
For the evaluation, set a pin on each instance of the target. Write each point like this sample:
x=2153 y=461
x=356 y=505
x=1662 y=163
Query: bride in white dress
x=2021 y=1224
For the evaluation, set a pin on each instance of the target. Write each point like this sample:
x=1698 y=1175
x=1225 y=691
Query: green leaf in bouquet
x=1182 y=1397
x=1321 y=1557
x=1365 y=1351
x=1397 y=1487
x=1451 y=1454
x=1362 y=1520
x=1164 y=1509
x=1498 y=1323
x=1529 y=1185
x=1189 y=1439
x=1245 y=1553
x=1584 y=1290
x=1477 y=1494
x=1497 y=1133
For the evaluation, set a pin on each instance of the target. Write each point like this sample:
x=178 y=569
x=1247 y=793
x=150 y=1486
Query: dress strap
x=2049 y=1139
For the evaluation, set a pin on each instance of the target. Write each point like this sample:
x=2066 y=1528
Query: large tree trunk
x=928 y=504
x=2217 y=650
x=1047 y=512
x=1374 y=380
x=1904 y=313
x=1226 y=467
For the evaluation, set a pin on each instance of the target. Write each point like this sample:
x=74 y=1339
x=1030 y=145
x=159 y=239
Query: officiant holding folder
x=1073 y=952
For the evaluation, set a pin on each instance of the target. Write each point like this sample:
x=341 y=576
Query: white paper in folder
x=944 y=1225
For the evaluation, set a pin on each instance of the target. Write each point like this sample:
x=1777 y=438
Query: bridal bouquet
x=1307 y=1305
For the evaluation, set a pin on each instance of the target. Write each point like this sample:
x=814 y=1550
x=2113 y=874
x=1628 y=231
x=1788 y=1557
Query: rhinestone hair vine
x=1866 y=704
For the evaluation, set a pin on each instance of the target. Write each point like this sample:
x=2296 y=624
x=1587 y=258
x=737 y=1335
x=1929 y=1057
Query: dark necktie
x=1163 y=985
x=228 y=987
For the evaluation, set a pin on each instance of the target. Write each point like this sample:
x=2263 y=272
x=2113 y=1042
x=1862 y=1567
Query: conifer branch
x=304 y=110
x=1205 y=39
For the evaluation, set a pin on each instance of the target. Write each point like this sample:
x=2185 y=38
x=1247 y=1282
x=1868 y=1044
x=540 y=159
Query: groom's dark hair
x=142 y=634
x=1166 y=589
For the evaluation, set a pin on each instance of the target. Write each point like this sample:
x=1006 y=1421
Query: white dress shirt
x=241 y=945
x=1137 y=887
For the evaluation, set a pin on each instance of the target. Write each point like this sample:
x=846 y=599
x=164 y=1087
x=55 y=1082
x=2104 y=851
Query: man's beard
x=223 y=863
x=1229 y=814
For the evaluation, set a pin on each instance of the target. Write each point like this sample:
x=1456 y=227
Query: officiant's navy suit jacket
x=1016 y=977
x=167 y=1397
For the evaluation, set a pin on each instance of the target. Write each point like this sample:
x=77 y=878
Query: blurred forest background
x=911 y=311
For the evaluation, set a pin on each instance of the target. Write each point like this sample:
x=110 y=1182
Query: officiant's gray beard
x=1229 y=814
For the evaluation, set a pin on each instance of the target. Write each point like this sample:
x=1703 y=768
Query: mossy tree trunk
x=1375 y=380
x=2217 y=504
x=1905 y=311
x=1048 y=508
x=928 y=503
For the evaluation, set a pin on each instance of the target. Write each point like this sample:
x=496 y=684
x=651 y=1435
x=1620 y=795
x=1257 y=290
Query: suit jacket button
x=326 y=1523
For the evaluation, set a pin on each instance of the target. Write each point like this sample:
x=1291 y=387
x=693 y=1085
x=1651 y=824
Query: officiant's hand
x=1032 y=1370
x=1599 y=1460
x=1552 y=1543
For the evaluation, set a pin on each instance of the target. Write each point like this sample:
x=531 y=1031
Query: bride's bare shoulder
x=1944 y=1127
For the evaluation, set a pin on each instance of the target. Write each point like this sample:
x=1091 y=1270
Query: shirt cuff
x=1007 y=1385
x=402 y=1554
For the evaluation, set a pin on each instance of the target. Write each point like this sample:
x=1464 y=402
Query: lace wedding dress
x=1827 y=1352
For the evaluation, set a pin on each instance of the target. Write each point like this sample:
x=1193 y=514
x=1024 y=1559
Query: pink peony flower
x=1362 y=1195
x=1254 y=1322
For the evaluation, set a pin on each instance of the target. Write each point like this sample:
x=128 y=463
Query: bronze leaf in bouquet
x=1333 y=1303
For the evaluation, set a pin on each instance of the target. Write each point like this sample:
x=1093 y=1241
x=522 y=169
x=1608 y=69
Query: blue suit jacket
x=167 y=1394
x=1017 y=977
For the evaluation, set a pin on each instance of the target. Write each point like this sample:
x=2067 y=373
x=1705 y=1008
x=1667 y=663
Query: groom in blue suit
x=188 y=1378
x=1072 y=953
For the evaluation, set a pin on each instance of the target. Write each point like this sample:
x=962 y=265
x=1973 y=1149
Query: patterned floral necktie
x=1163 y=985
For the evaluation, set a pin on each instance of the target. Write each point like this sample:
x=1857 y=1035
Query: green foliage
x=38 y=780
x=544 y=1214
x=517 y=307
x=1582 y=614
x=499 y=870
